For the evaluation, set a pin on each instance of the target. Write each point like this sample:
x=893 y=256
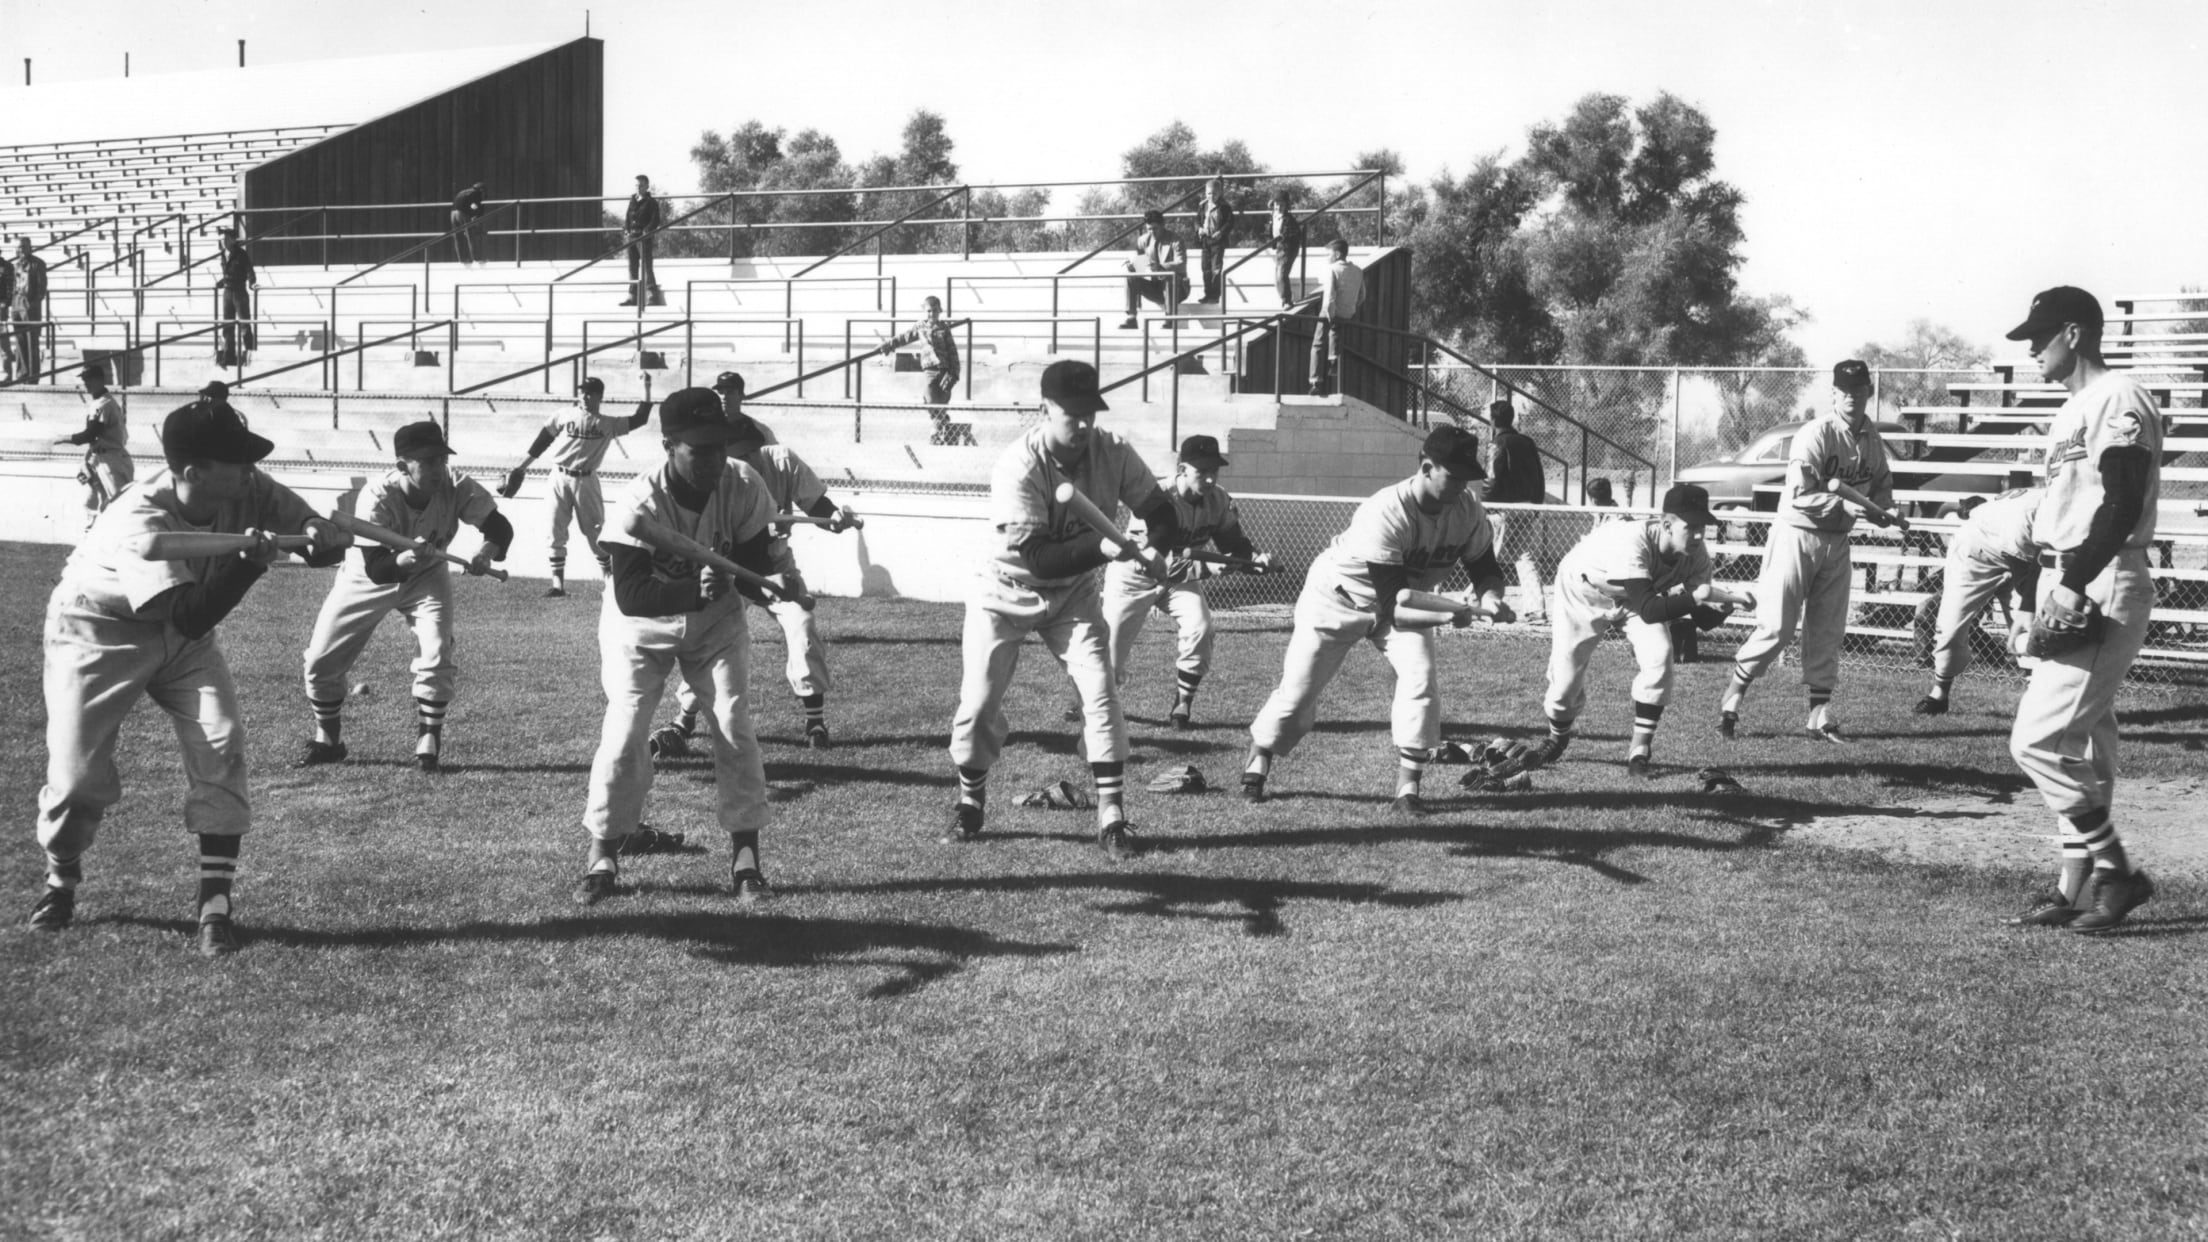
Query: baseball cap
x=1203 y=452
x=1073 y=385
x=216 y=390
x=2055 y=307
x=729 y=381
x=420 y=441
x=1685 y=500
x=592 y=384
x=93 y=370
x=211 y=430
x=693 y=416
x=1851 y=375
x=1455 y=450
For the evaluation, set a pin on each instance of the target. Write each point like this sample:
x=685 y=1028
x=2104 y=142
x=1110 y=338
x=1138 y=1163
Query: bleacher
x=98 y=193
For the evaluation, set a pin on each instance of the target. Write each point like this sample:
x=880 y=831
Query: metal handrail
x=334 y=354
x=1563 y=465
x=1114 y=239
x=953 y=192
x=1313 y=214
x=630 y=241
x=564 y=359
x=424 y=246
x=79 y=232
x=215 y=253
x=1529 y=397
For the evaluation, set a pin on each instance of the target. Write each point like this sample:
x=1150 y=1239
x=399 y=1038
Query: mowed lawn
x=1606 y=1009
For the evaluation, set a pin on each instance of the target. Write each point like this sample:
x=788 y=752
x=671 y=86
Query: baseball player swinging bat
x=192 y=545
x=660 y=537
x=1086 y=510
x=1878 y=513
x=389 y=538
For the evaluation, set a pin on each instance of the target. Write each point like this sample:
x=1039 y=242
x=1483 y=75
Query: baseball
x=360 y=690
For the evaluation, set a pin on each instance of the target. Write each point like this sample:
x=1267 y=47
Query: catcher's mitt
x=2058 y=631
x=1504 y=759
x=1181 y=778
x=649 y=840
x=1716 y=780
x=1488 y=783
x=1450 y=754
x=512 y=486
x=1058 y=796
x=668 y=742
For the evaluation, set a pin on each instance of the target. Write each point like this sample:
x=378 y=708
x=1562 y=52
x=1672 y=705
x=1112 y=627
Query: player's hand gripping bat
x=1877 y=512
x=360 y=528
x=660 y=537
x=1094 y=518
x=1420 y=609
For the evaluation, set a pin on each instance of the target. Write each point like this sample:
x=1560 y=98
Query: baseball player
x=1641 y=576
x=424 y=499
x=106 y=438
x=1038 y=581
x=119 y=627
x=939 y=362
x=2093 y=525
x=580 y=437
x=1806 y=568
x=1205 y=514
x=1990 y=554
x=1408 y=535
x=664 y=613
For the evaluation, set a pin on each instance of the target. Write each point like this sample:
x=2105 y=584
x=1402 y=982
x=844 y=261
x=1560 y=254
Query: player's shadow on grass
x=897 y=640
x=1252 y=904
x=2173 y=714
x=1929 y=776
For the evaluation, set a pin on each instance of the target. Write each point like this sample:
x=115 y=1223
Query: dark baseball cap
x=729 y=381
x=420 y=441
x=211 y=430
x=1203 y=452
x=1073 y=385
x=2055 y=307
x=1685 y=500
x=592 y=384
x=93 y=370
x=216 y=390
x=693 y=416
x=1851 y=375
x=1455 y=450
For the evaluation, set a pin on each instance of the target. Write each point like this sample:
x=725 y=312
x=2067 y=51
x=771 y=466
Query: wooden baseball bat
x=1720 y=593
x=807 y=519
x=1086 y=510
x=192 y=545
x=660 y=537
x=361 y=528
x=1434 y=601
x=1840 y=488
x=1422 y=618
x=1239 y=564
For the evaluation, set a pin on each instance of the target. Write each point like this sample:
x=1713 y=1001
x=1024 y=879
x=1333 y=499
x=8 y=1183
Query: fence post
x=966 y=226
x=452 y=359
x=1674 y=428
x=1583 y=464
x=801 y=359
x=1173 y=418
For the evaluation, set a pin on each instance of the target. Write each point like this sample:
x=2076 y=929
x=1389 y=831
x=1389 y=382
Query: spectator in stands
x=467 y=210
x=1214 y=226
x=28 y=309
x=238 y=283
x=1286 y=238
x=1514 y=478
x=1598 y=494
x=939 y=360
x=641 y=227
x=1344 y=293
x=7 y=337
x=1157 y=249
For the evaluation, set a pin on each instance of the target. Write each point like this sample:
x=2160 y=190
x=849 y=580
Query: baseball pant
x=1326 y=628
x=349 y=618
x=106 y=474
x=805 y=666
x=1582 y=616
x=1970 y=580
x=2065 y=733
x=96 y=667
x=1126 y=612
x=712 y=650
x=579 y=499
x=1804 y=582
x=1214 y=264
x=999 y=616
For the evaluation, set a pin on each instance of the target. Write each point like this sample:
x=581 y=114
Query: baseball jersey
x=792 y=487
x=942 y=343
x=101 y=576
x=1619 y=552
x=110 y=429
x=735 y=514
x=1203 y=519
x=580 y=438
x=1826 y=450
x=1023 y=495
x=2002 y=527
x=2111 y=411
x=438 y=520
x=1390 y=531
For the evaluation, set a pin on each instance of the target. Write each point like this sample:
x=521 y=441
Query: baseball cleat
x=1408 y=805
x=751 y=886
x=965 y=825
x=1637 y=765
x=1827 y=732
x=1253 y=787
x=595 y=887
x=55 y=908
x=816 y=737
x=1728 y=725
x=2114 y=897
x=426 y=747
x=1183 y=708
x=322 y=752
x=1549 y=751
x=1118 y=841
x=217 y=936
x=2048 y=909
x=556 y=593
x=1929 y=706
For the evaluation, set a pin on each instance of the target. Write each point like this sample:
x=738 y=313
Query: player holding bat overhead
x=424 y=500
x=1806 y=568
x=1038 y=581
x=121 y=626
x=1410 y=535
x=1640 y=576
x=664 y=612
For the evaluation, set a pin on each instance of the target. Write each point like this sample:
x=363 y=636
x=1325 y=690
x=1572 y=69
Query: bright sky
x=1902 y=159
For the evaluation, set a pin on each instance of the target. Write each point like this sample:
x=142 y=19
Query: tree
x=1909 y=368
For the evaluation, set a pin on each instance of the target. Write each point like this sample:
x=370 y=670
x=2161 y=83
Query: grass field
x=1601 y=1010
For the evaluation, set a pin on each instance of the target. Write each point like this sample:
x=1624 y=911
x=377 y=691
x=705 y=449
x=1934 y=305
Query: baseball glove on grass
x=668 y=742
x=2059 y=631
x=1180 y=778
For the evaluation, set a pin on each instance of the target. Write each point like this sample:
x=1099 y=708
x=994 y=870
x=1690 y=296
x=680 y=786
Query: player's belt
x=2056 y=560
x=573 y=474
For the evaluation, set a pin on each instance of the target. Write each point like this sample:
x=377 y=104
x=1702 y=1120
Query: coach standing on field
x=2092 y=527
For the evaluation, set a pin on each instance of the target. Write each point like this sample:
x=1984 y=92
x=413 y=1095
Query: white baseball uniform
x=1010 y=601
x=580 y=440
x=108 y=468
x=109 y=639
x=357 y=603
x=1992 y=546
x=1130 y=592
x=1390 y=544
x=1610 y=555
x=711 y=647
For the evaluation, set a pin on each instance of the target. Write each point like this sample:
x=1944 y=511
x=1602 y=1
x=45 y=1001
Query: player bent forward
x=1038 y=582
x=664 y=613
x=1409 y=535
x=423 y=499
x=1991 y=553
x=1642 y=576
x=120 y=626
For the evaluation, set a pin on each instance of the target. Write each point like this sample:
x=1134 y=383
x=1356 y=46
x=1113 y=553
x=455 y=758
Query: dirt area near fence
x=2165 y=822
